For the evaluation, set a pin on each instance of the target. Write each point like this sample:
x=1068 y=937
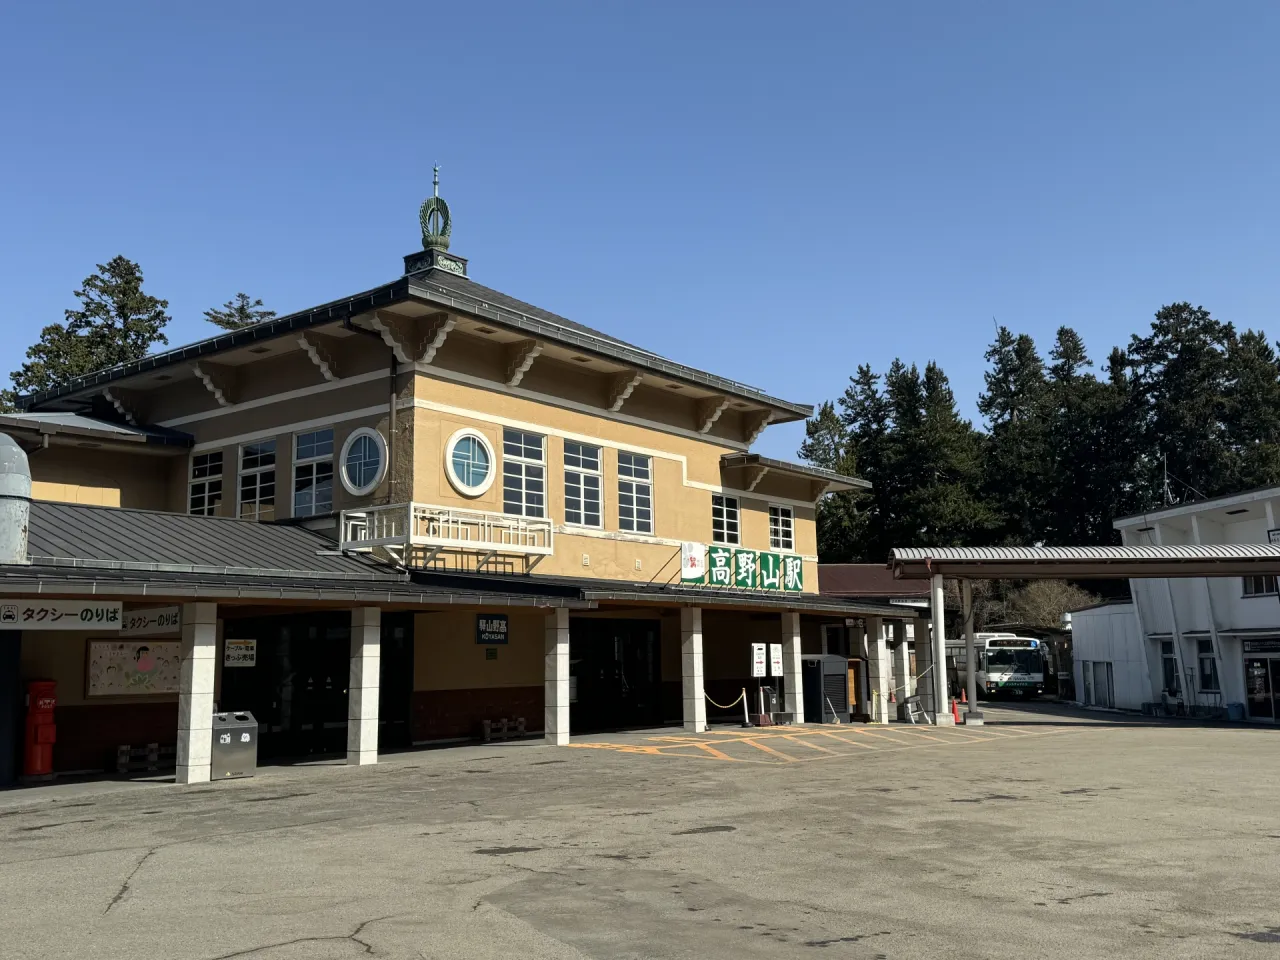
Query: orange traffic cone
x=892 y=698
x=955 y=711
x=964 y=696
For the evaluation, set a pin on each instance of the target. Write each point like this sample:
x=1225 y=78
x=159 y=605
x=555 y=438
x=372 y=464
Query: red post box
x=42 y=732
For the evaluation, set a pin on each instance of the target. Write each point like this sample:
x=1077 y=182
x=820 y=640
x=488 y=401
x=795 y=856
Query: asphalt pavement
x=1048 y=833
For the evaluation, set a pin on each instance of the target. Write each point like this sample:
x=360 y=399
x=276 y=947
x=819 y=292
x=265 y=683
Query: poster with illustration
x=130 y=668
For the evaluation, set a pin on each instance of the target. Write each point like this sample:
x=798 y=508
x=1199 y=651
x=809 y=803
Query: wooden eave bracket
x=413 y=340
x=709 y=411
x=820 y=488
x=754 y=475
x=755 y=426
x=520 y=357
x=621 y=386
x=323 y=352
x=126 y=403
x=218 y=380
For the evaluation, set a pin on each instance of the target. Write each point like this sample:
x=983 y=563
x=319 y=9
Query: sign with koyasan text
x=775 y=659
x=759 y=659
x=60 y=615
x=151 y=620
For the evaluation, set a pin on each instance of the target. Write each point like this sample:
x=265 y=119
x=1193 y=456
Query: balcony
x=421 y=535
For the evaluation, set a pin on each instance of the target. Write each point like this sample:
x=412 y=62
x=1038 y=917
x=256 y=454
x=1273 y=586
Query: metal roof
x=79 y=535
x=54 y=422
x=1181 y=560
x=794 y=469
x=432 y=286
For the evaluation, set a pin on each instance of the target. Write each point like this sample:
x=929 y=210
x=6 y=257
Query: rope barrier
x=923 y=674
x=723 y=706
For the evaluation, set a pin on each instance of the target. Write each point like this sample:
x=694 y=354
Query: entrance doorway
x=1262 y=687
x=615 y=674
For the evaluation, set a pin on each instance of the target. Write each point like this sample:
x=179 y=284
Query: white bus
x=1008 y=665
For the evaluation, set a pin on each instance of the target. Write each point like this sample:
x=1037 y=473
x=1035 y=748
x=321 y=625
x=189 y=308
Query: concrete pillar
x=556 y=678
x=973 y=717
x=942 y=712
x=695 y=700
x=924 y=663
x=195 y=691
x=879 y=670
x=362 y=691
x=903 y=683
x=791 y=674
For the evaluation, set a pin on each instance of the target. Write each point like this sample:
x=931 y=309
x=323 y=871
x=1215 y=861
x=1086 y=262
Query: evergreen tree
x=1017 y=465
x=238 y=312
x=1252 y=416
x=116 y=323
x=1180 y=374
x=841 y=524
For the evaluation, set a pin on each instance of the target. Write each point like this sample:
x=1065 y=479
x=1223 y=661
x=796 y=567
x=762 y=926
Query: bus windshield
x=1022 y=661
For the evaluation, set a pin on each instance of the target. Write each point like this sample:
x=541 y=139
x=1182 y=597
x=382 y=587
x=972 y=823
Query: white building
x=1199 y=642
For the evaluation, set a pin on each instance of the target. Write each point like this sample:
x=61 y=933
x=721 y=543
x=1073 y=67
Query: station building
x=391 y=518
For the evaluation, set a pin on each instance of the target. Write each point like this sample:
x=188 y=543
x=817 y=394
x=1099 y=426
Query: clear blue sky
x=771 y=192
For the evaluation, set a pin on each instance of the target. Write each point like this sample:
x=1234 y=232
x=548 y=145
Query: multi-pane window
x=780 y=529
x=635 y=493
x=523 y=474
x=258 y=480
x=313 y=473
x=1208 y=666
x=581 y=484
x=1259 y=585
x=206 y=484
x=724 y=519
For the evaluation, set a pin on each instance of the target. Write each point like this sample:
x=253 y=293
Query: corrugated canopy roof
x=1025 y=563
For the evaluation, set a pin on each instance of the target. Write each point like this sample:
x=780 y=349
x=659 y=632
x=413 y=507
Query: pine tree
x=238 y=313
x=841 y=524
x=1017 y=465
x=1252 y=416
x=116 y=323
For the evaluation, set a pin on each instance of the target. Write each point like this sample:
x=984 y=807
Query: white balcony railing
x=415 y=533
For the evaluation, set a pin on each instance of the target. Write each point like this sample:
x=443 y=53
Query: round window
x=468 y=459
x=364 y=461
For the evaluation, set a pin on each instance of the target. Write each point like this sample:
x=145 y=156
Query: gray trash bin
x=235 y=745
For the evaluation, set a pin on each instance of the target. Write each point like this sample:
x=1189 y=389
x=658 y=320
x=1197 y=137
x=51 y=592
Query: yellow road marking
x=812 y=746
x=715 y=753
x=768 y=749
x=850 y=742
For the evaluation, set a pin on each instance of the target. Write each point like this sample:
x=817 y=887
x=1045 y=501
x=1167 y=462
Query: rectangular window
x=780 y=529
x=581 y=484
x=635 y=493
x=1260 y=586
x=523 y=474
x=258 y=480
x=313 y=473
x=205 y=494
x=1208 y=666
x=724 y=519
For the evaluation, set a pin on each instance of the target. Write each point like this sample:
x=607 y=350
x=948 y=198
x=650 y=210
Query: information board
x=775 y=659
x=759 y=660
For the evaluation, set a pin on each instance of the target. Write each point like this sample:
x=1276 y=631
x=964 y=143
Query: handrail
x=431 y=526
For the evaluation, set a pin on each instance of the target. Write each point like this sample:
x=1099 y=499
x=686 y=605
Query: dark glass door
x=1258 y=687
x=617 y=671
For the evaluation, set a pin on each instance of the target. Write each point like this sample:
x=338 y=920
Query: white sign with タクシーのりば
x=60 y=615
x=759 y=659
x=775 y=659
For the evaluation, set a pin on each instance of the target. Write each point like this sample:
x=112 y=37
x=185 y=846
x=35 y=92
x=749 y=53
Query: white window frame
x=632 y=486
x=776 y=543
x=522 y=461
x=259 y=471
x=584 y=475
x=193 y=482
x=312 y=462
x=381 y=443
x=468 y=490
x=1266 y=581
x=729 y=538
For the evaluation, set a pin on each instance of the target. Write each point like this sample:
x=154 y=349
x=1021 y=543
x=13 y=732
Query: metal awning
x=1086 y=563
